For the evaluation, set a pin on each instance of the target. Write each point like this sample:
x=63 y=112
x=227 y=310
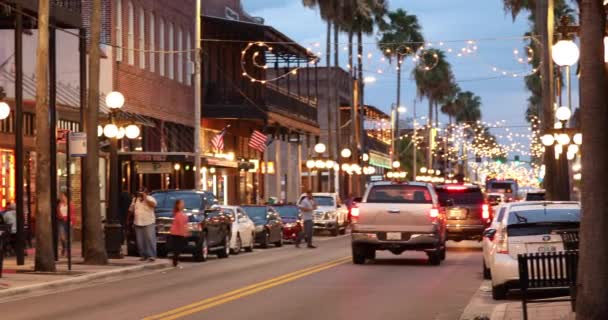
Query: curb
x=7 y=293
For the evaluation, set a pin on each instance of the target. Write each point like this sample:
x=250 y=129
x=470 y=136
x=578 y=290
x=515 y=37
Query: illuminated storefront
x=7 y=177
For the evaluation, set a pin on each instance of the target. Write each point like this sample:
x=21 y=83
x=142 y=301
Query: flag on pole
x=218 y=141
x=259 y=141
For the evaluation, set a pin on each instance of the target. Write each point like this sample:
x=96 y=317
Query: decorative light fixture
x=423 y=170
x=396 y=164
x=329 y=164
x=565 y=53
x=99 y=131
x=5 y=110
x=547 y=140
x=365 y=157
x=110 y=130
x=132 y=131
x=320 y=148
x=212 y=170
x=345 y=167
x=563 y=113
x=578 y=138
x=121 y=133
x=345 y=153
x=176 y=167
x=401 y=109
x=115 y=100
x=320 y=164
x=563 y=139
x=310 y=164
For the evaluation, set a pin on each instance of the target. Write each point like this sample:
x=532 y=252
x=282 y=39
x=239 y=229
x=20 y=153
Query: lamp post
x=395 y=111
x=113 y=229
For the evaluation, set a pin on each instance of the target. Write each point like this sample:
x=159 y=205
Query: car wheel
x=359 y=254
x=266 y=240
x=434 y=258
x=280 y=242
x=371 y=254
x=251 y=244
x=486 y=272
x=202 y=249
x=442 y=253
x=336 y=230
x=499 y=292
x=238 y=246
x=343 y=230
x=225 y=251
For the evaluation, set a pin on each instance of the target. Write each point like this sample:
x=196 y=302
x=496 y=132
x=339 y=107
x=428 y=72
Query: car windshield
x=460 y=196
x=288 y=211
x=548 y=215
x=399 y=193
x=192 y=201
x=535 y=196
x=324 y=201
x=257 y=214
x=501 y=186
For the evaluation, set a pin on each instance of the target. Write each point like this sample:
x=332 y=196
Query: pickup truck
x=398 y=216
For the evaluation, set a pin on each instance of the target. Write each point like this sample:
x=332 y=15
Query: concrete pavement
x=275 y=283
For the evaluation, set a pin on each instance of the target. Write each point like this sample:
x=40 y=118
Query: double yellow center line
x=243 y=292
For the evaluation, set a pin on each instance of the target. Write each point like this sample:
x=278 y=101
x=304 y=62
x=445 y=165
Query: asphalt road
x=276 y=283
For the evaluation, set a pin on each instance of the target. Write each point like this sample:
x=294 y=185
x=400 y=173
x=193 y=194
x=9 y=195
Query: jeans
x=62 y=227
x=146 y=240
x=306 y=232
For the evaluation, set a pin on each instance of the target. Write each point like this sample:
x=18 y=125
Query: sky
x=452 y=22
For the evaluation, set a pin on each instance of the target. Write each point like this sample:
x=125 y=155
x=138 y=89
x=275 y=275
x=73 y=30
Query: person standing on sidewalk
x=144 y=222
x=178 y=231
x=63 y=209
x=307 y=207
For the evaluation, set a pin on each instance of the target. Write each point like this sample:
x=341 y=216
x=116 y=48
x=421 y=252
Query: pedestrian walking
x=307 y=207
x=144 y=223
x=63 y=210
x=178 y=231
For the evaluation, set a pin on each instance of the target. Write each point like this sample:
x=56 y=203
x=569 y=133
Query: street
x=303 y=283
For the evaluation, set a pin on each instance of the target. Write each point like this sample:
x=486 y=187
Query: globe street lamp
x=565 y=53
x=345 y=153
x=320 y=148
x=5 y=110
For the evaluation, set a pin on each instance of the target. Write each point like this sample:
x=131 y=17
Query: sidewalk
x=17 y=280
x=536 y=311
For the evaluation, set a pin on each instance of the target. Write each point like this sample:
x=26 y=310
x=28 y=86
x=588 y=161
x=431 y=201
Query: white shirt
x=144 y=214
x=307 y=207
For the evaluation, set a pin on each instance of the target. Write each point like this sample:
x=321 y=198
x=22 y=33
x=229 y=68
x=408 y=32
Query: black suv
x=209 y=228
x=466 y=212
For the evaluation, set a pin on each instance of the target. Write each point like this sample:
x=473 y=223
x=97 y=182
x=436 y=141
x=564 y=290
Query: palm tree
x=434 y=81
x=470 y=107
x=45 y=257
x=95 y=252
x=399 y=38
x=451 y=106
x=593 y=274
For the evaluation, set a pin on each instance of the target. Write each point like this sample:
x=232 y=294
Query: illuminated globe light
x=365 y=157
x=212 y=170
x=345 y=167
x=132 y=131
x=396 y=164
x=355 y=167
x=563 y=113
x=329 y=164
x=565 y=53
x=336 y=167
x=346 y=153
x=431 y=171
x=577 y=176
x=320 y=148
x=423 y=170
x=99 y=131
x=310 y=164
x=115 y=100
x=389 y=175
x=121 y=133
x=110 y=130
x=570 y=156
x=320 y=164
x=438 y=172
x=578 y=138
x=177 y=167
x=547 y=140
x=372 y=170
x=558 y=125
x=402 y=175
x=563 y=139
x=5 y=110
x=573 y=148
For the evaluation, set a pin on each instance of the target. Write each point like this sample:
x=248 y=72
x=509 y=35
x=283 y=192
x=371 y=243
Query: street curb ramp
x=57 y=284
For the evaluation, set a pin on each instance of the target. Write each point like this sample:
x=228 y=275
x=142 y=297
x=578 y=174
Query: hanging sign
x=78 y=144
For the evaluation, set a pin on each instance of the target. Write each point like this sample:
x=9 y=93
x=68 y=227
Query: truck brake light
x=485 y=213
x=502 y=243
x=354 y=214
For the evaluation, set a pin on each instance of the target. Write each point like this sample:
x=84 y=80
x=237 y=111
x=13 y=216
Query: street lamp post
x=113 y=228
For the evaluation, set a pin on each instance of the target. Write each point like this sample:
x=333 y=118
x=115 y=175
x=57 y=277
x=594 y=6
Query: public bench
x=547 y=271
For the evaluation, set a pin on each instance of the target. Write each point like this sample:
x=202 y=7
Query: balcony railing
x=290 y=104
x=72 y=5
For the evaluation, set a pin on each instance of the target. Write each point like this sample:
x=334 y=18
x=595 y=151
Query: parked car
x=268 y=225
x=330 y=214
x=292 y=221
x=526 y=227
x=398 y=217
x=209 y=229
x=243 y=229
x=467 y=213
x=488 y=239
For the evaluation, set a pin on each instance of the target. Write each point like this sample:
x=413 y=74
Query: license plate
x=393 y=236
x=547 y=249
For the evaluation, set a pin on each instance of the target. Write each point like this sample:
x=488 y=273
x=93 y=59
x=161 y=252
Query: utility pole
x=414 y=149
x=198 y=53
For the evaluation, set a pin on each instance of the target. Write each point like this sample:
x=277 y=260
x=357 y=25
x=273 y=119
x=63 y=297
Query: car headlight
x=330 y=215
x=259 y=228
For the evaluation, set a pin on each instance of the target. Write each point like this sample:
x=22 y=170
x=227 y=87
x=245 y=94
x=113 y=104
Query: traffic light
x=516 y=159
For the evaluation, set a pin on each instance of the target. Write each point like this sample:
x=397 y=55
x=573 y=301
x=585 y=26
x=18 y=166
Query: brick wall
x=146 y=92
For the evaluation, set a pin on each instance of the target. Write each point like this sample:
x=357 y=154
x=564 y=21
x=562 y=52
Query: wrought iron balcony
x=289 y=104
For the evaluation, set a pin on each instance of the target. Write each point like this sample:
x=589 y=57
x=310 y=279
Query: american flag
x=218 y=141
x=259 y=141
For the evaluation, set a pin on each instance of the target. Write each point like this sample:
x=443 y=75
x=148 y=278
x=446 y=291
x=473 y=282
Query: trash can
x=5 y=233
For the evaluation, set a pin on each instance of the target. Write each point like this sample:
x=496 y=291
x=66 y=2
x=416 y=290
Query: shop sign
x=380 y=161
x=153 y=167
x=218 y=162
x=78 y=144
x=376 y=178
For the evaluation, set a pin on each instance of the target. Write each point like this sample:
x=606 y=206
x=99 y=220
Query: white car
x=330 y=214
x=243 y=229
x=525 y=227
x=487 y=240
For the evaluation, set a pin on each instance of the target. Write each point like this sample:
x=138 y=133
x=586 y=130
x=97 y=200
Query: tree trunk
x=45 y=257
x=361 y=185
x=350 y=52
x=429 y=123
x=396 y=135
x=593 y=273
x=544 y=9
x=95 y=251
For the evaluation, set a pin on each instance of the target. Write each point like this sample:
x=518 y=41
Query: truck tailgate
x=411 y=217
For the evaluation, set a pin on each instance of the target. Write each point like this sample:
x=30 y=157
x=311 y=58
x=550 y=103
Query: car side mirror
x=490 y=233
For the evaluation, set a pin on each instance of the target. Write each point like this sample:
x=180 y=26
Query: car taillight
x=354 y=214
x=434 y=213
x=502 y=243
x=485 y=213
